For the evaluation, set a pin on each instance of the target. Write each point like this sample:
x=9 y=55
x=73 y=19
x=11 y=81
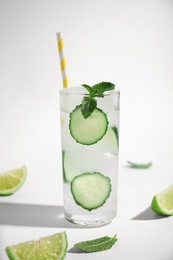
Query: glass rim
x=66 y=91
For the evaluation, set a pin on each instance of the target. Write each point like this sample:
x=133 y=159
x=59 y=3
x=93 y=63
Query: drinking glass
x=89 y=157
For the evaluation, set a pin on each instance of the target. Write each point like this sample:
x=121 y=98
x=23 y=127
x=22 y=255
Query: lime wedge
x=52 y=247
x=12 y=180
x=162 y=202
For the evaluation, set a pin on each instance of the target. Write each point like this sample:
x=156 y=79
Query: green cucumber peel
x=96 y=245
x=63 y=167
x=115 y=129
x=89 y=103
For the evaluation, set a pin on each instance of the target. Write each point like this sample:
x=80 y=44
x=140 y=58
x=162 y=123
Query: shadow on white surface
x=148 y=214
x=34 y=215
x=75 y=250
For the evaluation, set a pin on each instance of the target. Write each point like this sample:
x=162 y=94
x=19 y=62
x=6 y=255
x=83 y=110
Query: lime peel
x=52 y=247
x=162 y=203
x=12 y=180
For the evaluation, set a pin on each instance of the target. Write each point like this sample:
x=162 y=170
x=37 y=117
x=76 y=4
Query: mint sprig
x=96 y=245
x=89 y=103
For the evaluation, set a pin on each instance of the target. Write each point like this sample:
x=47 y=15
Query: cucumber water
x=90 y=144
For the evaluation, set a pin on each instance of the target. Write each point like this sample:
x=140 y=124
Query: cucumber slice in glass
x=88 y=131
x=109 y=142
x=91 y=190
x=78 y=162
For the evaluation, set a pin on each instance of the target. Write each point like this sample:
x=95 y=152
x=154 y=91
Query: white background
x=125 y=42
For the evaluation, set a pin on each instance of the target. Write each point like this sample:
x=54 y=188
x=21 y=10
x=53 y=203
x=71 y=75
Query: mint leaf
x=88 y=106
x=140 y=165
x=88 y=88
x=100 y=88
x=96 y=245
x=89 y=103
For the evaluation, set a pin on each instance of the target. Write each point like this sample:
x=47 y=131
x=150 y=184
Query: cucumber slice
x=78 y=162
x=109 y=142
x=63 y=167
x=73 y=165
x=89 y=130
x=91 y=190
x=115 y=129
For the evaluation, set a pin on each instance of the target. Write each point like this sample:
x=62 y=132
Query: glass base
x=91 y=223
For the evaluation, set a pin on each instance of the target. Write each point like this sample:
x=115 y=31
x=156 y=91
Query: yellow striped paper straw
x=62 y=58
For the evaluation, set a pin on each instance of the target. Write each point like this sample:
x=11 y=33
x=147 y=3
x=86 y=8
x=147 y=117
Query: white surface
x=141 y=233
x=126 y=42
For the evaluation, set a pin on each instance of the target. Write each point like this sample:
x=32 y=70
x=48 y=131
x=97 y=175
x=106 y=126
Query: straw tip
x=58 y=33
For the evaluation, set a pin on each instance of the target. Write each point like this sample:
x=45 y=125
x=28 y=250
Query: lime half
x=162 y=202
x=12 y=180
x=52 y=247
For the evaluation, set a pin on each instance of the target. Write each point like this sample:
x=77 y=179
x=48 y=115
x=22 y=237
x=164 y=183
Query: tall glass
x=89 y=157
